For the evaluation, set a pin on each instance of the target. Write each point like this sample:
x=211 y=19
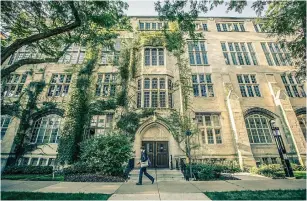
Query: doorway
x=157 y=152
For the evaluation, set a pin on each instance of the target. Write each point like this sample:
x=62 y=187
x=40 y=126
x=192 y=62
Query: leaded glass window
x=258 y=129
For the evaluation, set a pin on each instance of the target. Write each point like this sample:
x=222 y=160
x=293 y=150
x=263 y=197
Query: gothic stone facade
x=241 y=80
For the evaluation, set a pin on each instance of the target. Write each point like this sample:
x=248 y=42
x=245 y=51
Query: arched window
x=46 y=129
x=5 y=121
x=258 y=128
x=302 y=121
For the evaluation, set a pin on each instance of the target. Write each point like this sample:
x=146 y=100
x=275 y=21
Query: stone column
x=239 y=131
x=282 y=101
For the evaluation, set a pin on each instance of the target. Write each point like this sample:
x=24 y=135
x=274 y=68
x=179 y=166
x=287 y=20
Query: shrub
x=28 y=170
x=105 y=154
x=88 y=177
x=296 y=167
x=272 y=170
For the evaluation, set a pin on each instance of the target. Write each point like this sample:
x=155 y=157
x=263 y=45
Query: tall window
x=154 y=56
x=248 y=85
x=5 y=121
x=302 y=121
x=13 y=85
x=276 y=54
x=155 y=92
x=258 y=129
x=74 y=55
x=59 y=85
x=46 y=129
x=151 y=25
x=202 y=85
x=111 y=56
x=101 y=124
x=239 y=53
x=259 y=28
x=210 y=127
x=106 y=84
x=293 y=86
x=197 y=53
x=224 y=27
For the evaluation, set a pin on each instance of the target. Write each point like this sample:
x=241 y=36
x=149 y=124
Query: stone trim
x=258 y=110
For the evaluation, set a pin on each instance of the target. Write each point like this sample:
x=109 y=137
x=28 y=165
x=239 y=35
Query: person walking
x=144 y=164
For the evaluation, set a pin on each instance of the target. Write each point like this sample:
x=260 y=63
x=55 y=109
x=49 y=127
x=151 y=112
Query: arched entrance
x=158 y=142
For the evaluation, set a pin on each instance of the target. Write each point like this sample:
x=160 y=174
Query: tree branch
x=8 y=51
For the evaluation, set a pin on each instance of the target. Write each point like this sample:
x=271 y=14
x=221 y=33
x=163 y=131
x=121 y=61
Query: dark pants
x=143 y=169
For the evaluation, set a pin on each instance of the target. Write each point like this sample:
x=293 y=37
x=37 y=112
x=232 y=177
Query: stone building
x=241 y=80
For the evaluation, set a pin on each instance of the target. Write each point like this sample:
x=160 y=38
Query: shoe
x=138 y=184
x=152 y=181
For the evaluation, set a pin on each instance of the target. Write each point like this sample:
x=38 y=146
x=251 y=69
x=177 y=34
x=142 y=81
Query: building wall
x=227 y=101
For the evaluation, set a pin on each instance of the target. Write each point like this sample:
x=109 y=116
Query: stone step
x=158 y=174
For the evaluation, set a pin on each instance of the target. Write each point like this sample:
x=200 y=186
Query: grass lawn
x=33 y=177
x=300 y=174
x=52 y=196
x=258 y=195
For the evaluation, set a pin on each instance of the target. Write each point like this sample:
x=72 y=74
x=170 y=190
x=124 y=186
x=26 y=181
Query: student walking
x=144 y=164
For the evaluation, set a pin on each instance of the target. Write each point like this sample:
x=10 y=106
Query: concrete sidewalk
x=162 y=190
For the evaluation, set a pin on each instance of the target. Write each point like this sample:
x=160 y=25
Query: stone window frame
x=48 y=161
x=230 y=27
x=75 y=54
x=149 y=57
x=201 y=86
x=239 y=53
x=39 y=130
x=275 y=54
x=13 y=84
x=143 y=25
x=198 y=51
x=293 y=86
x=110 y=56
x=258 y=27
x=101 y=124
x=59 y=84
x=215 y=124
x=248 y=85
x=163 y=89
x=106 y=84
x=253 y=131
x=5 y=123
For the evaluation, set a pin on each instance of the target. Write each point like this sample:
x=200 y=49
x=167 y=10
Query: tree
x=285 y=20
x=51 y=27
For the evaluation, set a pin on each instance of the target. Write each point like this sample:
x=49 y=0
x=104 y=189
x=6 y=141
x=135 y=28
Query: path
x=162 y=190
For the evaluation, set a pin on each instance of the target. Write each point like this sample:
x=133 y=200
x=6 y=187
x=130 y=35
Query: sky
x=147 y=8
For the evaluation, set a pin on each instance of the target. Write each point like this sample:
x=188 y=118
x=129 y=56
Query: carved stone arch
x=262 y=111
x=43 y=113
x=300 y=111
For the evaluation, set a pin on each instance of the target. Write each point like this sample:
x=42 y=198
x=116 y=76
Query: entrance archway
x=159 y=143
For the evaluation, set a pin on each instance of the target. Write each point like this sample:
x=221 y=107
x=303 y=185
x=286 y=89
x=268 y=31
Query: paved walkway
x=162 y=190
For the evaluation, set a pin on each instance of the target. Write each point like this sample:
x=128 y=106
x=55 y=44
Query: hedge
x=28 y=170
x=272 y=170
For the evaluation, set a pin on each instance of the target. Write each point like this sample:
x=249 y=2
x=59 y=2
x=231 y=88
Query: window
x=106 y=85
x=24 y=52
x=276 y=54
x=5 y=121
x=248 y=85
x=274 y=160
x=12 y=85
x=240 y=53
x=24 y=161
x=258 y=129
x=100 y=125
x=59 y=85
x=197 y=53
x=293 y=86
x=155 y=94
x=74 y=55
x=46 y=129
x=111 y=56
x=42 y=162
x=154 y=56
x=202 y=85
x=205 y=27
x=259 y=28
x=236 y=27
x=210 y=127
x=34 y=161
x=151 y=25
x=302 y=121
